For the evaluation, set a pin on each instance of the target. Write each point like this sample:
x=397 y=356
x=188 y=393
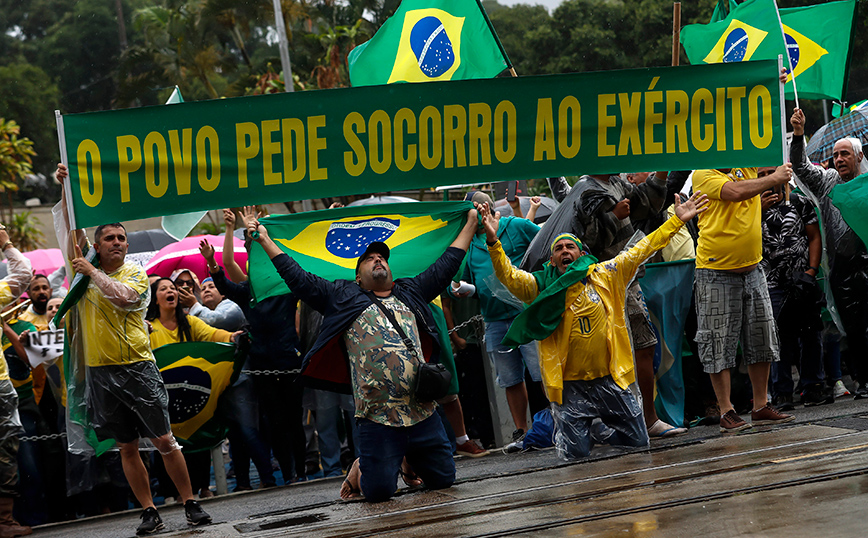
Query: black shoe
x=861 y=392
x=151 y=521
x=195 y=514
x=517 y=444
x=817 y=395
x=784 y=402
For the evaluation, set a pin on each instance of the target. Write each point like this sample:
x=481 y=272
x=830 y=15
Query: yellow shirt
x=199 y=331
x=40 y=321
x=588 y=353
x=113 y=335
x=730 y=233
x=681 y=245
x=560 y=354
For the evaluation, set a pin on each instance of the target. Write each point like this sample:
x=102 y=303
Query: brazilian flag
x=851 y=199
x=819 y=42
x=816 y=39
x=328 y=243
x=750 y=32
x=427 y=41
x=196 y=374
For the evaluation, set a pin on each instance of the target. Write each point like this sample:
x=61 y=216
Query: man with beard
x=375 y=333
x=40 y=293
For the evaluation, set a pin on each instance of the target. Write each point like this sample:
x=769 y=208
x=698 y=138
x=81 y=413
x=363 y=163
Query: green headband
x=569 y=236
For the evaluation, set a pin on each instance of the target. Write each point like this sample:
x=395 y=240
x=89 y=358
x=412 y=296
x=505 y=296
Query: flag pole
x=786 y=48
x=676 y=33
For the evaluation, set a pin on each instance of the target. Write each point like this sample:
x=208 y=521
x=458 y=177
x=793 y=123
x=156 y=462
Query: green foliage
x=24 y=230
x=16 y=158
x=28 y=95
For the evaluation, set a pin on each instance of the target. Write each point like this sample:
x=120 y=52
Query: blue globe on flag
x=189 y=389
x=432 y=47
x=350 y=239
x=792 y=51
x=735 y=46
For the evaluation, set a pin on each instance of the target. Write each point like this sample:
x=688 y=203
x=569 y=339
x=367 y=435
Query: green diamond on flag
x=430 y=40
x=328 y=243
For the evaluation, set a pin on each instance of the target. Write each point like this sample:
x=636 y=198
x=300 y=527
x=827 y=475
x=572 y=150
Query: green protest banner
x=137 y=163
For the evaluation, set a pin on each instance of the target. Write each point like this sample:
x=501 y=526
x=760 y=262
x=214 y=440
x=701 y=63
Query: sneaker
x=471 y=448
x=839 y=389
x=816 y=394
x=517 y=444
x=195 y=514
x=769 y=415
x=861 y=392
x=151 y=522
x=731 y=422
x=784 y=402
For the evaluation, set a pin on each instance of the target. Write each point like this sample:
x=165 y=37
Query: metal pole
x=284 y=47
x=826 y=111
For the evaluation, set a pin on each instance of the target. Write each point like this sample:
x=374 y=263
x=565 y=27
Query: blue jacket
x=326 y=365
x=273 y=341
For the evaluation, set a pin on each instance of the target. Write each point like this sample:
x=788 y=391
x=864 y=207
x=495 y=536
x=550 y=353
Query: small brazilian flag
x=427 y=41
x=195 y=375
x=328 y=243
x=750 y=32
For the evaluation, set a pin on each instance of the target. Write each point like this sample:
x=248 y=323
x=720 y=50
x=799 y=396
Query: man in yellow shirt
x=577 y=313
x=732 y=297
x=128 y=399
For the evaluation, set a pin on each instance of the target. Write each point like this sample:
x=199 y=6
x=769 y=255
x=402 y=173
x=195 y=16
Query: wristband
x=7 y=244
x=490 y=243
x=817 y=269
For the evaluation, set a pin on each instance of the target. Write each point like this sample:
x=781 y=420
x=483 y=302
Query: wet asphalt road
x=805 y=478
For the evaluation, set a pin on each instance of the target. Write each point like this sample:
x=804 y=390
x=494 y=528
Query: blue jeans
x=382 y=449
x=509 y=363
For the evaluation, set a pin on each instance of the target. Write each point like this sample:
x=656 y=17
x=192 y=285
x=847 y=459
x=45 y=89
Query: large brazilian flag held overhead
x=429 y=40
x=328 y=243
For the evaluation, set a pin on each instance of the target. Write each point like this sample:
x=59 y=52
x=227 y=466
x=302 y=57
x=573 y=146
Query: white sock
x=461 y=440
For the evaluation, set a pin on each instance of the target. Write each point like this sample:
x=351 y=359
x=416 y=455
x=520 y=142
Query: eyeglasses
x=184 y=283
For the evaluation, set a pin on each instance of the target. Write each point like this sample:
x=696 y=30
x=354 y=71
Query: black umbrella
x=148 y=240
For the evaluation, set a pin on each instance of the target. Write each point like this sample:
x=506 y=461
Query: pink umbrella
x=45 y=261
x=185 y=255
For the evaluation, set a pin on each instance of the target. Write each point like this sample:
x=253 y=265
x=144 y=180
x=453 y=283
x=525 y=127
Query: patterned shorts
x=729 y=307
x=640 y=322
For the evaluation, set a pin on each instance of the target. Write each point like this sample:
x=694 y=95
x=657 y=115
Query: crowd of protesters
x=328 y=383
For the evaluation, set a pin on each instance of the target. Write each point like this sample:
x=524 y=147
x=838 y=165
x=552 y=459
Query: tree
x=24 y=230
x=28 y=95
x=15 y=160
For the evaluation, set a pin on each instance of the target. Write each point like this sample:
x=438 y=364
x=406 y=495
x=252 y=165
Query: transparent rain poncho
x=105 y=334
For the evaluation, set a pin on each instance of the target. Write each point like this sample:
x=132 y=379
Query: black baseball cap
x=377 y=246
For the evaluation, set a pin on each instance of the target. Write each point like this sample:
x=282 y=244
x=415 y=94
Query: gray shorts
x=729 y=307
x=640 y=321
x=128 y=402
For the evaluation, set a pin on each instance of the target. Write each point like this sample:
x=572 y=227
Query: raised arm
x=308 y=287
x=520 y=283
x=816 y=180
x=233 y=270
x=432 y=281
x=19 y=276
x=78 y=237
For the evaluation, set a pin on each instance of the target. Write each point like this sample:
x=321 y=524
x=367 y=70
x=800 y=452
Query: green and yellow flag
x=430 y=40
x=750 y=32
x=196 y=374
x=819 y=41
x=328 y=243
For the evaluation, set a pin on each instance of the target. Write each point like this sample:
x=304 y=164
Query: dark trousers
x=280 y=399
x=382 y=449
x=800 y=336
x=850 y=292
